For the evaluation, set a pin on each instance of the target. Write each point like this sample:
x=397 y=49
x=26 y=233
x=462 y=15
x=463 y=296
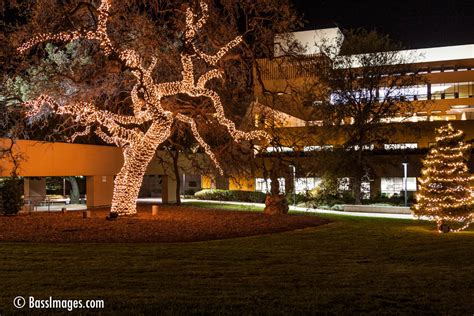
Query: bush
x=11 y=201
x=230 y=195
x=300 y=198
x=189 y=192
x=328 y=195
x=394 y=200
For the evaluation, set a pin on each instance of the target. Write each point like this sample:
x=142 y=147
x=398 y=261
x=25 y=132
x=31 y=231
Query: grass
x=230 y=207
x=354 y=265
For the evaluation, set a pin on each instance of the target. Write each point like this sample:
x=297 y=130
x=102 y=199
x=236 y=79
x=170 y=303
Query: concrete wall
x=34 y=187
x=169 y=190
x=242 y=183
x=99 y=191
x=98 y=163
x=41 y=159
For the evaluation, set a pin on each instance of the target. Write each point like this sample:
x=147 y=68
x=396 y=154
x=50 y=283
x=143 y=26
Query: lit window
x=302 y=185
x=364 y=147
x=343 y=184
x=264 y=186
x=401 y=146
x=450 y=117
x=318 y=148
x=391 y=186
x=279 y=149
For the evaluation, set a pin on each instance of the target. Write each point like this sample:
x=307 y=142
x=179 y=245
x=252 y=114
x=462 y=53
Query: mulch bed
x=172 y=224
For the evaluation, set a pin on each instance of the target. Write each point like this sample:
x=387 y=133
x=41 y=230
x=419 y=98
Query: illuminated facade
x=447 y=95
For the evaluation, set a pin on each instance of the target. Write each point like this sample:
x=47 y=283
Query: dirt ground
x=172 y=224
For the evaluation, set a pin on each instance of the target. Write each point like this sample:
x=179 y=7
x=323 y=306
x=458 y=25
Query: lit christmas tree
x=446 y=185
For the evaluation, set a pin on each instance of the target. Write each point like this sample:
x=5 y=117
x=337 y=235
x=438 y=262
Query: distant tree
x=182 y=146
x=366 y=83
x=74 y=194
x=446 y=191
x=11 y=200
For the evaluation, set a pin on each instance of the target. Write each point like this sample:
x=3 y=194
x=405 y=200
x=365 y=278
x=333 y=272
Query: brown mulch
x=172 y=224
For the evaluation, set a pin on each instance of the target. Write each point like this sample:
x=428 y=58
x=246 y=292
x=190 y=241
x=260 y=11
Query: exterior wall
x=284 y=76
x=41 y=159
x=242 y=183
x=169 y=190
x=99 y=191
x=34 y=187
x=98 y=163
x=280 y=75
x=206 y=182
x=191 y=183
x=214 y=182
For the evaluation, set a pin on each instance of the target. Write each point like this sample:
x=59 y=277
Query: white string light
x=446 y=186
x=139 y=147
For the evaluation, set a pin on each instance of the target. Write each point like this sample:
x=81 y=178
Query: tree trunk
x=358 y=176
x=275 y=184
x=74 y=193
x=137 y=157
x=356 y=190
x=175 y=156
x=275 y=203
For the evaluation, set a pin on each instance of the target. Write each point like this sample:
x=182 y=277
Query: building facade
x=446 y=94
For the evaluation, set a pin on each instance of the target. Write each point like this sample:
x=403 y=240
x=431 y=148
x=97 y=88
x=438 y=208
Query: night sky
x=417 y=23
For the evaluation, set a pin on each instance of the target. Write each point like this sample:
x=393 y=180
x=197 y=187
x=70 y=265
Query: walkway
x=58 y=207
x=80 y=207
x=292 y=208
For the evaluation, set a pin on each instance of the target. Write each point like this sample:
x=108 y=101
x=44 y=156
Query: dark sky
x=417 y=23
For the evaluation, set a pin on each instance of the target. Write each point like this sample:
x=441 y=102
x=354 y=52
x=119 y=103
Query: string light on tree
x=446 y=186
x=139 y=144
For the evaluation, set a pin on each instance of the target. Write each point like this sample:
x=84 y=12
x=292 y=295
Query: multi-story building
x=446 y=94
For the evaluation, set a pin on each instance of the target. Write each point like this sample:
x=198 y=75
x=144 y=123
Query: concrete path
x=58 y=207
x=292 y=208
x=80 y=207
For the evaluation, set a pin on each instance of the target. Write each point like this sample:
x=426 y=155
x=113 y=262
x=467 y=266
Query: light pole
x=405 y=180
x=294 y=183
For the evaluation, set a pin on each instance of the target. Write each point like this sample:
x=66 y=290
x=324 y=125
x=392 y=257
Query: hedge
x=230 y=195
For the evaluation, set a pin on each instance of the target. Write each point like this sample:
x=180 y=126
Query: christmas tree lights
x=139 y=146
x=446 y=191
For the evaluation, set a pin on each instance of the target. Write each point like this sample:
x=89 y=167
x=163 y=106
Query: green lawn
x=230 y=207
x=354 y=265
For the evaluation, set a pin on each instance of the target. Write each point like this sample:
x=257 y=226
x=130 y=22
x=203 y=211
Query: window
x=402 y=146
x=279 y=149
x=466 y=89
x=318 y=148
x=364 y=147
x=264 y=186
x=343 y=184
x=411 y=93
x=452 y=90
x=391 y=186
x=450 y=117
x=305 y=184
